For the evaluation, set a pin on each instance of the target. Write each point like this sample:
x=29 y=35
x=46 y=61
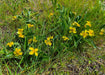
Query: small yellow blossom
x=20 y=31
x=72 y=30
x=33 y=51
x=65 y=38
x=84 y=34
x=51 y=37
x=51 y=14
x=48 y=42
x=91 y=32
x=21 y=35
x=29 y=41
x=75 y=23
x=88 y=23
x=17 y=52
x=34 y=39
x=10 y=44
x=14 y=17
x=101 y=33
x=30 y=25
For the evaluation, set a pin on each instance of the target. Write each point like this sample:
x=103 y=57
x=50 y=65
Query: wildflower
x=34 y=39
x=91 y=32
x=29 y=41
x=20 y=31
x=48 y=42
x=51 y=14
x=102 y=32
x=84 y=34
x=14 y=17
x=51 y=37
x=88 y=24
x=17 y=52
x=33 y=51
x=21 y=35
x=75 y=23
x=10 y=44
x=65 y=38
x=72 y=30
x=30 y=25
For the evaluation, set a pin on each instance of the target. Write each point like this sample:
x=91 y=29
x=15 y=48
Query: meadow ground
x=52 y=37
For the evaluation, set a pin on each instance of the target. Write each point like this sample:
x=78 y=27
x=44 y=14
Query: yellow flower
x=29 y=41
x=51 y=37
x=21 y=35
x=30 y=25
x=101 y=33
x=14 y=17
x=20 y=31
x=75 y=23
x=33 y=51
x=84 y=34
x=51 y=14
x=65 y=38
x=88 y=24
x=91 y=32
x=34 y=39
x=17 y=52
x=48 y=42
x=72 y=30
x=102 y=30
x=10 y=44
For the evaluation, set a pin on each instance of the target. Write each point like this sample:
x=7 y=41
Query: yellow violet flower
x=34 y=39
x=14 y=17
x=48 y=42
x=21 y=35
x=33 y=51
x=84 y=34
x=51 y=37
x=65 y=38
x=51 y=14
x=30 y=25
x=91 y=32
x=102 y=32
x=75 y=23
x=20 y=31
x=72 y=30
x=88 y=24
x=17 y=52
x=10 y=44
x=29 y=41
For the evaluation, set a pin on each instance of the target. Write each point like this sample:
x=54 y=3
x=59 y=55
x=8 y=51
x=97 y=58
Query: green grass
x=62 y=57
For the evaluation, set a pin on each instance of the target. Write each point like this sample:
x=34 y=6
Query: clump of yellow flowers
x=72 y=30
x=48 y=41
x=34 y=40
x=65 y=38
x=10 y=44
x=88 y=23
x=20 y=33
x=102 y=32
x=77 y=24
x=30 y=25
x=86 y=33
x=17 y=52
x=33 y=51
